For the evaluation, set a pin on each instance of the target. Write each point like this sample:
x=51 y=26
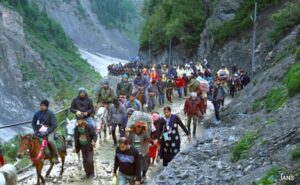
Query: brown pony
x=31 y=145
x=140 y=96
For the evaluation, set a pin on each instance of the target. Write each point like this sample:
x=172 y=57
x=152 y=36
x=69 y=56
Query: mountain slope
x=258 y=139
x=82 y=24
x=37 y=61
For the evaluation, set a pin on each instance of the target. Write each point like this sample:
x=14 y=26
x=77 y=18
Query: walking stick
x=79 y=161
x=95 y=163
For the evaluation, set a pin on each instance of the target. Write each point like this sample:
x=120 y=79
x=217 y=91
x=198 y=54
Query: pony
x=8 y=175
x=32 y=146
x=140 y=96
x=70 y=127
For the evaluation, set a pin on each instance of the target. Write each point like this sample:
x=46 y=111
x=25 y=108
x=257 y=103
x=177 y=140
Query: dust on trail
x=104 y=158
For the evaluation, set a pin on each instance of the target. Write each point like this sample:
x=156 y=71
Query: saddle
x=59 y=143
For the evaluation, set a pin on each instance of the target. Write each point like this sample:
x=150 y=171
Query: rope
x=28 y=122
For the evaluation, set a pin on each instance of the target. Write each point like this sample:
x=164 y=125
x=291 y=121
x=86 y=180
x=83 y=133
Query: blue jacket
x=141 y=82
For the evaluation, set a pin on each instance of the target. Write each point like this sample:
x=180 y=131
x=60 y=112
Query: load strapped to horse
x=142 y=119
x=223 y=74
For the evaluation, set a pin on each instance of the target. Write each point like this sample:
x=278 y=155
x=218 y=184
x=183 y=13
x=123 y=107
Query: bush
x=275 y=98
x=10 y=149
x=257 y=105
x=240 y=149
x=296 y=153
x=284 y=20
x=272 y=101
x=240 y=22
x=293 y=76
x=271 y=177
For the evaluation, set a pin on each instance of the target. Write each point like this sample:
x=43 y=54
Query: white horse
x=70 y=127
x=8 y=175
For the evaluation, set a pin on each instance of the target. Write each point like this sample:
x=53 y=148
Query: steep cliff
x=36 y=64
x=84 y=27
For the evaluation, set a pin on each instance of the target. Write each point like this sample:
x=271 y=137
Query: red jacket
x=194 y=107
x=1 y=160
x=179 y=82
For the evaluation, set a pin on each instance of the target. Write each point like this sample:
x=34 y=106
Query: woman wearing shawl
x=169 y=136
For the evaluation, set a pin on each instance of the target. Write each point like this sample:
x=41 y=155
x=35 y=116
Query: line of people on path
x=141 y=141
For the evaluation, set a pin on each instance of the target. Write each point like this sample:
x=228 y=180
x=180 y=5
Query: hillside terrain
x=258 y=139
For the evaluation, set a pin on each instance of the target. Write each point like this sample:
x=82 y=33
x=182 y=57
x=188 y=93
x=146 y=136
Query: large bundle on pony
x=203 y=90
x=203 y=84
x=141 y=117
x=223 y=75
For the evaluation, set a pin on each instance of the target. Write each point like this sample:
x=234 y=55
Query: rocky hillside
x=37 y=61
x=108 y=27
x=258 y=139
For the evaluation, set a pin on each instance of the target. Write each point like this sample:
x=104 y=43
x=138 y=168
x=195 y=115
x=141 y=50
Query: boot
x=54 y=153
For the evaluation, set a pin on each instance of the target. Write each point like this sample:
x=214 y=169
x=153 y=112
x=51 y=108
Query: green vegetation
x=284 y=20
x=275 y=98
x=123 y=15
x=272 y=101
x=288 y=51
x=240 y=149
x=63 y=70
x=269 y=122
x=271 y=176
x=296 y=153
x=293 y=76
x=181 y=21
x=241 y=21
x=257 y=105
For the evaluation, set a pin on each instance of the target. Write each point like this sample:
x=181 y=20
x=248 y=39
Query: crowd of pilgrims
x=145 y=136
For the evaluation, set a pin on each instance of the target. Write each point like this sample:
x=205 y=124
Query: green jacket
x=194 y=84
x=124 y=89
x=105 y=95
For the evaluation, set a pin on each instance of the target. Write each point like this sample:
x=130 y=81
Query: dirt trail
x=104 y=157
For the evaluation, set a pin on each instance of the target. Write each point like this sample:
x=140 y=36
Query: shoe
x=144 y=179
x=217 y=122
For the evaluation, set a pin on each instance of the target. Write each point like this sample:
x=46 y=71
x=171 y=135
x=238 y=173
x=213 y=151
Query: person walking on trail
x=152 y=92
x=141 y=83
x=161 y=86
x=102 y=122
x=134 y=103
x=194 y=84
x=105 y=93
x=124 y=88
x=186 y=84
x=125 y=120
x=85 y=139
x=2 y=162
x=127 y=160
x=153 y=138
x=169 y=136
x=169 y=90
x=116 y=114
x=245 y=79
x=232 y=86
x=217 y=97
x=139 y=138
x=194 y=109
x=83 y=105
x=180 y=84
x=44 y=124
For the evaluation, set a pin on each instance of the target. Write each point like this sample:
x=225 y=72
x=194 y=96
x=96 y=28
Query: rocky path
x=104 y=156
